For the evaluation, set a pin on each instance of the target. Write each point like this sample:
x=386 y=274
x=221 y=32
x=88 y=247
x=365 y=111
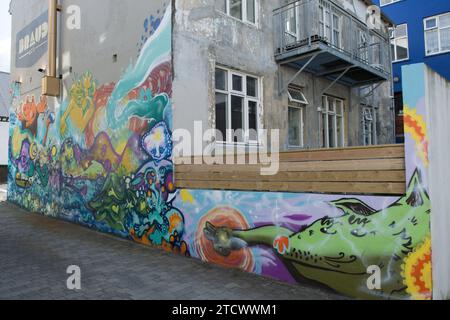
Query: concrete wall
x=214 y=39
x=438 y=106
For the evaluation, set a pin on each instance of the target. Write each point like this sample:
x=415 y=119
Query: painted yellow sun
x=417 y=272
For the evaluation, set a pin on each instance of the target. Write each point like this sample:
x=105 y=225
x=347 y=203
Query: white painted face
x=158 y=143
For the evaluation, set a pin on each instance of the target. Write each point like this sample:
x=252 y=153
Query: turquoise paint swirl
x=147 y=107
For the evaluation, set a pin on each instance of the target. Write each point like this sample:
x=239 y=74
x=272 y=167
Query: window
x=386 y=2
x=329 y=24
x=297 y=96
x=332 y=118
x=399 y=43
x=437 y=34
x=363 y=46
x=291 y=21
x=237 y=105
x=369 y=122
x=297 y=103
x=245 y=10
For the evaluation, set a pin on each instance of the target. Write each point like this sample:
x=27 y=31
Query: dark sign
x=32 y=42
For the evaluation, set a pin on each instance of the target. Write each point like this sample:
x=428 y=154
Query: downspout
x=51 y=84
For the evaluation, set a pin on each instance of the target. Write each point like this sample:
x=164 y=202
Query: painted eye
x=328 y=231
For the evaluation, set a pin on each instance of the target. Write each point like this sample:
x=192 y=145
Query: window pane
x=339 y=108
x=339 y=131
x=331 y=107
x=221 y=79
x=251 y=11
x=432 y=41
x=237 y=83
x=236 y=9
x=324 y=130
x=297 y=96
x=253 y=120
x=401 y=31
x=252 y=87
x=221 y=114
x=331 y=131
x=393 y=50
x=294 y=127
x=402 y=49
x=445 y=39
x=432 y=23
x=444 y=21
x=291 y=21
x=237 y=106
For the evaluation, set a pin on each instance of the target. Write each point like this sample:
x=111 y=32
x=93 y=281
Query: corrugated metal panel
x=4 y=94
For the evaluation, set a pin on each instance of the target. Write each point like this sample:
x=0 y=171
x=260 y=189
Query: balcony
x=320 y=37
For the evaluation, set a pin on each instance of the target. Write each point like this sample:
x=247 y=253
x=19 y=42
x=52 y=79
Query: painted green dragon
x=338 y=251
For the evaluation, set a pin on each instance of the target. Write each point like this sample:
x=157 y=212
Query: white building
x=4 y=118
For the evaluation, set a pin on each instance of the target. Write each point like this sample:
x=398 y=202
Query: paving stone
x=35 y=252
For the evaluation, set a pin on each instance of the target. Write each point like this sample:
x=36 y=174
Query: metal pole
x=52 y=34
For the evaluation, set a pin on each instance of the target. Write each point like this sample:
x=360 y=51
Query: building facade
x=98 y=148
x=4 y=123
x=422 y=35
x=340 y=98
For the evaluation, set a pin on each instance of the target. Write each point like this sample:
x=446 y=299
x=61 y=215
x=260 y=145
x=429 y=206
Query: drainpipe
x=51 y=84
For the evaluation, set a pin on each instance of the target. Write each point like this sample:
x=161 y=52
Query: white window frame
x=304 y=101
x=325 y=110
x=326 y=10
x=244 y=12
x=242 y=94
x=300 y=105
x=438 y=28
x=394 y=40
x=369 y=115
x=388 y=3
x=288 y=27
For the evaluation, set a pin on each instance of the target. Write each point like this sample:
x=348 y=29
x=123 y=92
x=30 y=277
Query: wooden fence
x=378 y=170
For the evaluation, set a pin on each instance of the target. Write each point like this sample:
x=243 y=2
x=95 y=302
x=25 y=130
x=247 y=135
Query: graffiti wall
x=336 y=241
x=102 y=157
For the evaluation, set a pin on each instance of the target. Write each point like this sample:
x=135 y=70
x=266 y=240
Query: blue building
x=422 y=34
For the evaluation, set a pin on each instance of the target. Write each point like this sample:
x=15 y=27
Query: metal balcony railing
x=303 y=23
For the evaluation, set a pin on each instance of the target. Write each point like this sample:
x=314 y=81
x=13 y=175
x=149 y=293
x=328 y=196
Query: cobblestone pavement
x=35 y=252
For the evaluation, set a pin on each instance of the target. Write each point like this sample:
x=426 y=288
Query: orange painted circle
x=233 y=219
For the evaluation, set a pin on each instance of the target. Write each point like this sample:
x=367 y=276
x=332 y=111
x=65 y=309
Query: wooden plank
x=332 y=176
x=311 y=166
x=299 y=187
x=356 y=153
x=376 y=170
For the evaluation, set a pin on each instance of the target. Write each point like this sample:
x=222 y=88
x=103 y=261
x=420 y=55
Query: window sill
x=399 y=61
x=436 y=54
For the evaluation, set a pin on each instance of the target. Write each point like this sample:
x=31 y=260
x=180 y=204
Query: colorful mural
x=329 y=240
x=103 y=159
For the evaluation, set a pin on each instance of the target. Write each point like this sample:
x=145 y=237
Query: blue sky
x=5 y=36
